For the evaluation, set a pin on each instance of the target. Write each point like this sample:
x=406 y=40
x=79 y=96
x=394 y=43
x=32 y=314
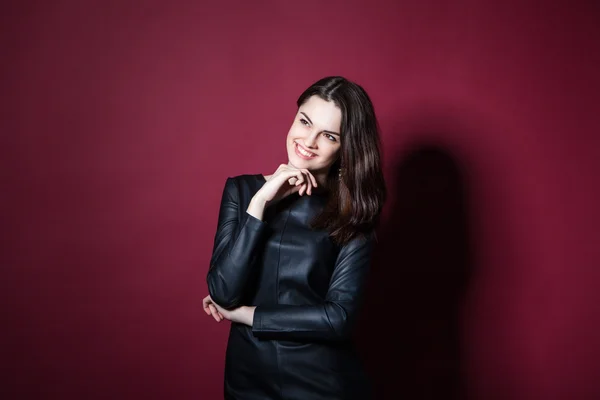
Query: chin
x=300 y=164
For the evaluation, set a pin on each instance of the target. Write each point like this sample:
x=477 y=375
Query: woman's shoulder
x=247 y=184
x=247 y=179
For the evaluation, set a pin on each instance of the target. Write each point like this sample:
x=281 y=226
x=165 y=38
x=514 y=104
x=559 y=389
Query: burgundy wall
x=121 y=121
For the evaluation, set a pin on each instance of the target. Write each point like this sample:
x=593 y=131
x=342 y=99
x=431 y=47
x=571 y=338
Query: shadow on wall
x=409 y=333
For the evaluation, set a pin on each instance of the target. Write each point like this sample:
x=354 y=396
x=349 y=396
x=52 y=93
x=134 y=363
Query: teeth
x=304 y=152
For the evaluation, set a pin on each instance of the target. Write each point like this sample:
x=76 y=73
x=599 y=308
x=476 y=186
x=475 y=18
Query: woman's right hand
x=210 y=308
x=285 y=181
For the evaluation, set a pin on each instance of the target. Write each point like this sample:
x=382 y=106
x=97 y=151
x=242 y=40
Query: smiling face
x=313 y=141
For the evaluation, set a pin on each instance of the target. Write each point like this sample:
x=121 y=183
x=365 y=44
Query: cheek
x=332 y=153
x=294 y=132
x=290 y=139
x=290 y=136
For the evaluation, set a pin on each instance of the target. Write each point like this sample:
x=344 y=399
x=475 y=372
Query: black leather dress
x=307 y=291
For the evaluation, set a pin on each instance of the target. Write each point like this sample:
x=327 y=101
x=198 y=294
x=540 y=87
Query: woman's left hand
x=242 y=314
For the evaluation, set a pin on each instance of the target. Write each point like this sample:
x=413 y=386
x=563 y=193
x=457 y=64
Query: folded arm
x=235 y=245
x=334 y=317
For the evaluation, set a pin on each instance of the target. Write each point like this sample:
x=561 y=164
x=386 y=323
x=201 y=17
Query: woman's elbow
x=341 y=323
x=221 y=293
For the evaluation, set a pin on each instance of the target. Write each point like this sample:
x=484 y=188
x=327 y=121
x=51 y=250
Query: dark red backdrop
x=122 y=119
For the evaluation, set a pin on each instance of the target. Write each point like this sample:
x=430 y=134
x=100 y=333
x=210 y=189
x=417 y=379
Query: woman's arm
x=236 y=240
x=331 y=320
x=234 y=247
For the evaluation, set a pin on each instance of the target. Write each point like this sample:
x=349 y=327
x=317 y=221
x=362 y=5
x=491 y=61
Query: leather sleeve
x=236 y=240
x=331 y=320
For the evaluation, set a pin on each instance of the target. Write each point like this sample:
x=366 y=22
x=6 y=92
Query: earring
x=341 y=170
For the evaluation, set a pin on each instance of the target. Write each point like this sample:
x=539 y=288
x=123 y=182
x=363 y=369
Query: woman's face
x=313 y=141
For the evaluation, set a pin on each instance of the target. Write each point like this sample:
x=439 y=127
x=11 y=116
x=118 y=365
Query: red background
x=122 y=119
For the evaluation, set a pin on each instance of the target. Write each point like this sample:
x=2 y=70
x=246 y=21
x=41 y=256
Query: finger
x=216 y=316
x=312 y=178
x=292 y=190
x=205 y=303
x=299 y=177
x=302 y=190
x=218 y=312
x=308 y=189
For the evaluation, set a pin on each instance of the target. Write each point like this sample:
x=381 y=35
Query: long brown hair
x=355 y=181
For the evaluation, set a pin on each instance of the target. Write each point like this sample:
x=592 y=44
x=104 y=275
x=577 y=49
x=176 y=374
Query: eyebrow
x=333 y=133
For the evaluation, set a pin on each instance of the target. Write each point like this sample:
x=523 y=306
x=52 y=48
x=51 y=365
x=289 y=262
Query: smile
x=305 y=154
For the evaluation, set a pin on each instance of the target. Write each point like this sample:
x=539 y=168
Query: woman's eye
x=330 y=137
x=303 y=121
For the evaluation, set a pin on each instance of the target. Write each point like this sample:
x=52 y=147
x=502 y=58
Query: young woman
x=292 y=251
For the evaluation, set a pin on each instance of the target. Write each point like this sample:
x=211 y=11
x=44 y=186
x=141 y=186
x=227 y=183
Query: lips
x=303 y=153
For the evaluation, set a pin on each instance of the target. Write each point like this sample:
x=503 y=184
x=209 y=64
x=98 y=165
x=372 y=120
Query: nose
x=311 y=140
